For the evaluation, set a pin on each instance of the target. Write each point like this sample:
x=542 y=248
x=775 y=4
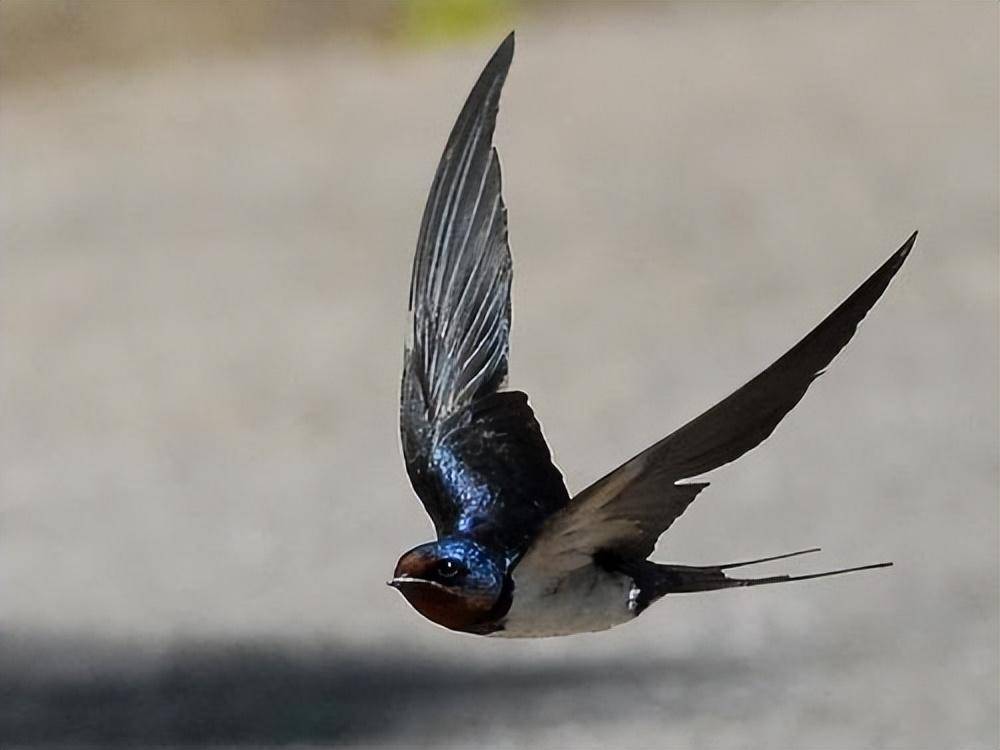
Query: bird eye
x=448 y=569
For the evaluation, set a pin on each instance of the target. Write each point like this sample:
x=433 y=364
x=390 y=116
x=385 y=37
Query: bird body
x=516 y=555
x=587 y=600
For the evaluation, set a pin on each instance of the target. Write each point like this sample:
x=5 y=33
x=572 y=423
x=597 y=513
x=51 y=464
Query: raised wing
x=626 y=512
x=474 y=456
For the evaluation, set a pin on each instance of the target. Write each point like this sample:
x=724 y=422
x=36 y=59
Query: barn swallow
x=515 y=555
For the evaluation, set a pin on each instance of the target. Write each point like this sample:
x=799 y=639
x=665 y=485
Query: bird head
x=454 y=582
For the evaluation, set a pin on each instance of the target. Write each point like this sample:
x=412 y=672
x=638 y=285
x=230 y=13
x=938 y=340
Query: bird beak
x=400 y=580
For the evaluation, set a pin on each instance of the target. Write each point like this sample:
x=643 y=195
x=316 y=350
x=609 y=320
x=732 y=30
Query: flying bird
x=515 y=554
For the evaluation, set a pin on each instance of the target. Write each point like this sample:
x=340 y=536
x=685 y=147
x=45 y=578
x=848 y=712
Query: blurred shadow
x=254 y=693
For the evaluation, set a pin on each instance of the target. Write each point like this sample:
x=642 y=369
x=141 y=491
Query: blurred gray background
x=208 y=217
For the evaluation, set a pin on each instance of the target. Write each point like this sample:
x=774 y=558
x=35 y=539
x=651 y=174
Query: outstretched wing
x=470 y=452
x=627 y=511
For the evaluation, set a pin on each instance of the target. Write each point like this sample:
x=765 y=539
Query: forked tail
x=655 y=580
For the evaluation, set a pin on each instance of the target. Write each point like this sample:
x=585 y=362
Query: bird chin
x=448 y=607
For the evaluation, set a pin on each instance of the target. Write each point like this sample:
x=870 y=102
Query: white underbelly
x=588 y=600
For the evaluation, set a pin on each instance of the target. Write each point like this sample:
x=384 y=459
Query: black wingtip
x=485 y=95
x=894 y=263
x=897 y=258
x=504 y=54
x=907 y=246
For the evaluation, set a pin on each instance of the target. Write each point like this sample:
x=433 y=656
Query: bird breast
x=587 y=600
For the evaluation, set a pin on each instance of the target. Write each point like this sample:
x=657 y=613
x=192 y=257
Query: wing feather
x=459 y=304
x=460 y=288
x=628 y=510
x=475 y=457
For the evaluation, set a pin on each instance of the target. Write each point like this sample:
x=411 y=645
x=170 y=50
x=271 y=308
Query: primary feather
x=474 y=456
x=625 y=512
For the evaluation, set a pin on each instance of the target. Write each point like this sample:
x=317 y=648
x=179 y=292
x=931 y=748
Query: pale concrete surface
x=203 y=298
